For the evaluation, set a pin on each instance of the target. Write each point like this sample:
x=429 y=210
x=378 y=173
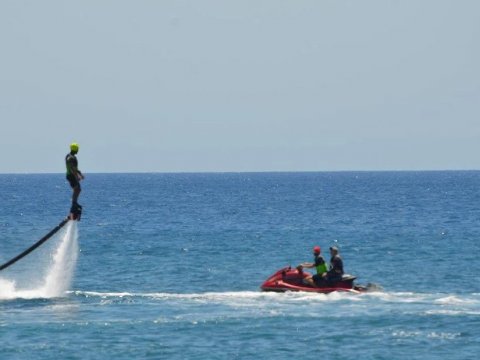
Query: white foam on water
x=346 y=303
x=59 y=274
x=238 y=298
x=454 y=300
x=453 y=312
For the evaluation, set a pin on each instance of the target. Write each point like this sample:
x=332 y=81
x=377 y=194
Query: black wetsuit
x=72 y=163
x=336 y=269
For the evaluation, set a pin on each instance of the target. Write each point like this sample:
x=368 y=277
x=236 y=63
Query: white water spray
x=59 y=275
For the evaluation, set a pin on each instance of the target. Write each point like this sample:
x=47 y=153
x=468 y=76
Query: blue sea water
x=169 y=266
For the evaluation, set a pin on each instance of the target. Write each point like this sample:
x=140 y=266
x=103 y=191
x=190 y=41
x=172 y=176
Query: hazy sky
x=240 y=85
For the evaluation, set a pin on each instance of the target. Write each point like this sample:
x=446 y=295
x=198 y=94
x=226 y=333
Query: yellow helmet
x=74 y=147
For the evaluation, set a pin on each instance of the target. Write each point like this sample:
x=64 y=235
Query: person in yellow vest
x=74 y=175
x=319 y=264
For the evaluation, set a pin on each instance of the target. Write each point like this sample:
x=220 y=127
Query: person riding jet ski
x=320 y=265
x=336 y=267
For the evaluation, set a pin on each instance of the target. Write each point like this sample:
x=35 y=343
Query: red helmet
x=316 y=249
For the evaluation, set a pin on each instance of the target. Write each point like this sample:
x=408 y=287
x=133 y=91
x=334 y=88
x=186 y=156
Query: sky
x=250 y=85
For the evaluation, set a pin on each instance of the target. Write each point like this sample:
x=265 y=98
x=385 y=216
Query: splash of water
x=59 y=278
x=59 y=275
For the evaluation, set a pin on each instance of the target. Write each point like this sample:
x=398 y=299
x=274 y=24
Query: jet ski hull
x=288 y=279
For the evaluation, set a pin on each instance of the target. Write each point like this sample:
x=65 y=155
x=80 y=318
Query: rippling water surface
x=169 y=266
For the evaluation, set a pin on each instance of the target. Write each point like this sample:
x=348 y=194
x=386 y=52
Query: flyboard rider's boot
x=75 y=211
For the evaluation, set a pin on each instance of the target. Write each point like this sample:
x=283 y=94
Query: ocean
x=168 y=266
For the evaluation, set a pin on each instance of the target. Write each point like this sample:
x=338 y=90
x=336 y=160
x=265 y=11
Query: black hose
x=34 y=246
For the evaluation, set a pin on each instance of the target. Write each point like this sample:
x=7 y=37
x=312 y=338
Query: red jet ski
x=288 y=279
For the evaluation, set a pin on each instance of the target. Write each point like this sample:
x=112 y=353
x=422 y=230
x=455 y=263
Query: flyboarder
x=74 y=176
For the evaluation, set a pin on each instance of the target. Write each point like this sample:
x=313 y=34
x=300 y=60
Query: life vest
x=70 y=162
x=321 y=268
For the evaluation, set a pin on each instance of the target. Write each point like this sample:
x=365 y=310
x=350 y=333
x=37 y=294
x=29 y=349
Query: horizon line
x=245 y=172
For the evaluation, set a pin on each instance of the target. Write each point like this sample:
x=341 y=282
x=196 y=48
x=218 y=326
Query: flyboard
x=75 y=215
